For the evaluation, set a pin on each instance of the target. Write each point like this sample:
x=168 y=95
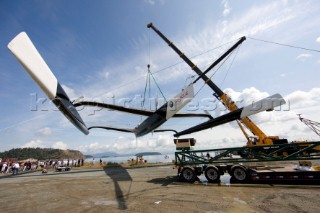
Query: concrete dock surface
x=150 y=189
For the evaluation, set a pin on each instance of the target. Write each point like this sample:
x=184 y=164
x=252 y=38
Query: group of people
x=13 y=166
x=65 y=162
x=94 y=161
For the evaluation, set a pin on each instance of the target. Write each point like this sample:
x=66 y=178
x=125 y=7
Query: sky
x=99 y=50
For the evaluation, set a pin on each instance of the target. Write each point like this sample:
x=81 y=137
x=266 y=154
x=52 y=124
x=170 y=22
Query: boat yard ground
x=148 y=189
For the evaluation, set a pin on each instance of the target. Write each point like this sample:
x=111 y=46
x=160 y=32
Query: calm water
x=150 y=159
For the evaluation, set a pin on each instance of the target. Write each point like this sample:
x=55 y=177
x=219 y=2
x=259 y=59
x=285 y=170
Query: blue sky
x=100 y=50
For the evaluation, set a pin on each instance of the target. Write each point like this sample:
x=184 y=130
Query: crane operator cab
x=184 y=143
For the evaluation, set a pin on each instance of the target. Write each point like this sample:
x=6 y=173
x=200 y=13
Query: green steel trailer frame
x=293 y=151
x=214 y=162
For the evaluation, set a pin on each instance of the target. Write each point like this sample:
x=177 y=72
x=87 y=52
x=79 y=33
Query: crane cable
x=148 y=83
x=156 y=83
x=148 y=75
x=221 y=64
x=286 y=45
x=145 y=91
x=160 y=70
x=230 y=65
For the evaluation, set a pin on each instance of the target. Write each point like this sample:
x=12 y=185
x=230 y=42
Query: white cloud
x=280 y=122
x=271 y=18
x=257 y=20
x=106 y=75
x=60 y=145
x=267 y=20
x=125 y=144
x=153 y=2
x=245 y=24
x=44 y=131
x=94 y=148
x=33 y=144
x=226 y=8
x=246 y=96
x=303 y=56
x=318 y=39
x=300 y=100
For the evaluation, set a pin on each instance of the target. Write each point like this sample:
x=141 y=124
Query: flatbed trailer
x=241 y=163
x=283 y=175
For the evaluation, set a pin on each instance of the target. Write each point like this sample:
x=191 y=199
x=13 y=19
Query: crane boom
x=313 y=125
x=262 y=138
x=214 y=87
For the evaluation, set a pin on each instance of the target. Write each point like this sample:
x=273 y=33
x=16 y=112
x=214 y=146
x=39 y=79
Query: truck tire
x=212 y=174
x=188 y=175
x=239 y=173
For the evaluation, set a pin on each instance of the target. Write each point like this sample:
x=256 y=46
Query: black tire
x=239 y=173
x=212 y=174
x=188 y=175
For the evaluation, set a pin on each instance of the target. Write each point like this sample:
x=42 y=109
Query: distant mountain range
x=147 y=153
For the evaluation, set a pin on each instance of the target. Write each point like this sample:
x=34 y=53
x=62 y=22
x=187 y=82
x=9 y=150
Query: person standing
x=208 y=155
x=15 y=168
x=4 y=167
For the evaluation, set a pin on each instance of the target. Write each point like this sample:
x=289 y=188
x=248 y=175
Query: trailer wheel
x=188 y=175
x=239 y=173
x=212 y=174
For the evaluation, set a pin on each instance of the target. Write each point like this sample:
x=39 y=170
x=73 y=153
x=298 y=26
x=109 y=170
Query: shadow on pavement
x=230 y=182
x=165 y=181
x=119 y=174
x=291 y=183
x=39 y=173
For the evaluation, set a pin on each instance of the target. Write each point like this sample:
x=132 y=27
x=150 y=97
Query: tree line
x=38 y=153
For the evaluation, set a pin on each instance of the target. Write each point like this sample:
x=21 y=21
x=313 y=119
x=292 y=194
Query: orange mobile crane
x=260 y=138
